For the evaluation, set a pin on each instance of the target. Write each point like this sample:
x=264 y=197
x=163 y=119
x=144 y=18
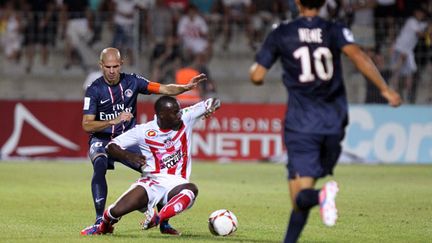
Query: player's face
x=170 y=117
x=111 y=67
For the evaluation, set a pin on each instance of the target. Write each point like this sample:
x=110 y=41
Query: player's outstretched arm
x=117 y=152
x=257 y=73
x=89 y=124
x=365 y=65
x=175 y=89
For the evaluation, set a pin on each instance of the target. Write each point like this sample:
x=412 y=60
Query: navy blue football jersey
x=106 y=101
x=309 y=50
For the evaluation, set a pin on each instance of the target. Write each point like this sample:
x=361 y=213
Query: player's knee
x=191 y=195
x=193 y=188
x=299 y=200
x=305 y=199
x=100 y=164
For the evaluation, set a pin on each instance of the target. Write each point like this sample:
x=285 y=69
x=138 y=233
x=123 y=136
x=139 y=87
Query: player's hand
x=212 y=105
x=123 y=117
x=392 y=97
x=139 y=159
x=193 y=83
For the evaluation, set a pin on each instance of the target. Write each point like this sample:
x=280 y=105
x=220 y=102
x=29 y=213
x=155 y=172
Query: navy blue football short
x=312 y=155
x=97 y=148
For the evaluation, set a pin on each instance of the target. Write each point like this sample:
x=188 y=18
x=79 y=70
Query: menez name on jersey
x=310 y=35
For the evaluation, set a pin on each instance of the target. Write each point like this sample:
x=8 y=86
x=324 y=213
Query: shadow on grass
x=207 y=237
x=187 y=237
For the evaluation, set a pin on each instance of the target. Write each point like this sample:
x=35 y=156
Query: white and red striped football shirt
x=166 y=151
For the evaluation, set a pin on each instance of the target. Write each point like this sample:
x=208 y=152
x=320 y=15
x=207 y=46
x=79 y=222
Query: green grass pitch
x=51 y=202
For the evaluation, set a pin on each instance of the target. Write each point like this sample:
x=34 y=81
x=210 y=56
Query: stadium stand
x=229 y=67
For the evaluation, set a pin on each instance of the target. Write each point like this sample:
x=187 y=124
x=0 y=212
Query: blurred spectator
x=166 y=54
x=422 y=55
x=144 y=9
x=11 y=38
x=192 y=31
x=212 y=11
x=292 y=7
x=77 y=27
x=263 y=14
x=40 y=30
x=124 y=26
x=403 y=59
x=405 y=8
x=422 y=51
x=384 y=22
x=236 y=12
x=204 y=7
x=207 y=89
x=330 y=10
x=362 y=22
x=165 y=60
x=97 y=9
x=178 y=8
x=92 y=75
x=373 y=95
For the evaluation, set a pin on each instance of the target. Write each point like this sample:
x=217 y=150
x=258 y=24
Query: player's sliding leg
x=164 y=226
x=177 y=204
x=99 y=186
x=181 y=197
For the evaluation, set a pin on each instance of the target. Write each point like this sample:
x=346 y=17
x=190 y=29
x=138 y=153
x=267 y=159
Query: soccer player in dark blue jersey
x=310 y=49
x=110 y=106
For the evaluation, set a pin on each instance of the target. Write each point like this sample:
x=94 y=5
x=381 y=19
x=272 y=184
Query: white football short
x=158 y=186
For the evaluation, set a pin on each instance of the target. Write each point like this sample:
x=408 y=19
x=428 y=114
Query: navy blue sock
x=307 y=198
x=297 y=221
x=99 y=185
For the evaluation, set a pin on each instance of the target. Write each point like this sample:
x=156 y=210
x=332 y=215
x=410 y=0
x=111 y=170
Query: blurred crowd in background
x=177 y=38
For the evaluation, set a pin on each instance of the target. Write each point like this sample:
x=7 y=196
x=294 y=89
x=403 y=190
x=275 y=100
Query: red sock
x=177 y=204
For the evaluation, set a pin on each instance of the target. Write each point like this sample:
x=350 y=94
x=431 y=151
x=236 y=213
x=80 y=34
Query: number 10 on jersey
x=322 y=61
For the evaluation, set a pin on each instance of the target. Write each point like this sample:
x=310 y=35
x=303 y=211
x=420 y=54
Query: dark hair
x=311 y=4
x=163 y=102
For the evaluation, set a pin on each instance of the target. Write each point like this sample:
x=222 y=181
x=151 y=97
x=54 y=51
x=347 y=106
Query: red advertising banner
x=52 y=129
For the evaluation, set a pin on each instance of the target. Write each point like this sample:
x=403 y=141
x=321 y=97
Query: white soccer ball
x=222 y=222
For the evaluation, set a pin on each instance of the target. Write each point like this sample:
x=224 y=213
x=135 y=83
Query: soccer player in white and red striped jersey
x=110 y=108
x=165 y=160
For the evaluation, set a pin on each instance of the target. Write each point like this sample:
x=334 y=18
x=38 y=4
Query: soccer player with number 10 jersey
x=310 y=49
